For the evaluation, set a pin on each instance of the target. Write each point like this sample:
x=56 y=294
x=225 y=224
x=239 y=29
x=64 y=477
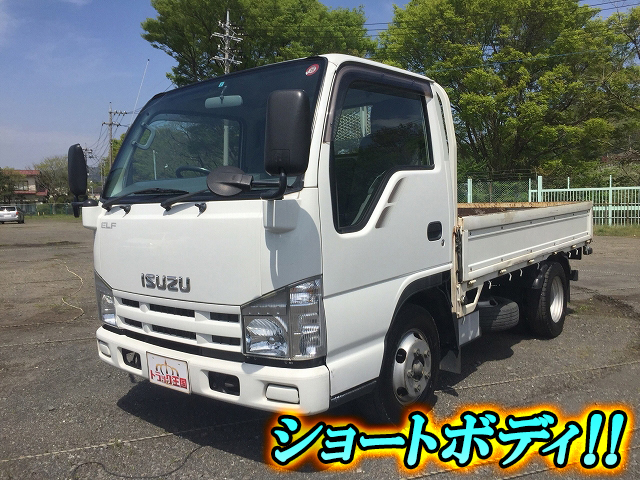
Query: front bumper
x=261 y=387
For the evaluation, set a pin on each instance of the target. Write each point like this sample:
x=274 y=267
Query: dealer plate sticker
x=169 y=372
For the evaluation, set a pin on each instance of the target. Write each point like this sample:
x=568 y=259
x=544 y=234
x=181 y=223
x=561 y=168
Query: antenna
x=133 y=112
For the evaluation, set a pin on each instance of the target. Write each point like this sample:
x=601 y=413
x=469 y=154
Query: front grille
x=154 y=319
x=224 y=317
x=130 y=303
x=183 y=312
x=225 y=340
x=132 y=323
x=174 y=332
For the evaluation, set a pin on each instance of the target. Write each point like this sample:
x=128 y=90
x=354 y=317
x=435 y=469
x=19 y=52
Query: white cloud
x=79 y=3
x=21 y=148
x=7 y=23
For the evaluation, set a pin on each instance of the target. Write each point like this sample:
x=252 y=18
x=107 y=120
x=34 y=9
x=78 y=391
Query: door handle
x=434 y=231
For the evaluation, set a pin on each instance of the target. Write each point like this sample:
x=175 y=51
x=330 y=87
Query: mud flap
x=467 y=329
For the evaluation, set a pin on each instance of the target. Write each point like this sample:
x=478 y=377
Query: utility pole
x=227 y=60
x=110 y=124
x=88 y=153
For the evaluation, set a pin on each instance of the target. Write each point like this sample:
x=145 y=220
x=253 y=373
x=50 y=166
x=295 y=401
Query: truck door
x=385 y=211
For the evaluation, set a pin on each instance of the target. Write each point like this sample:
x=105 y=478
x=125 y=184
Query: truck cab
x=285 y=238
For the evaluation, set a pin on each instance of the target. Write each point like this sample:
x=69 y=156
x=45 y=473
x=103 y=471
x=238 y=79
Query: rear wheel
x=410 y=366
x=548 y=306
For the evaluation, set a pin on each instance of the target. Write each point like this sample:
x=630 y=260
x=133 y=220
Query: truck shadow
x=488 y=348
x=233 y=429
x=205 y=422
x=246 y=432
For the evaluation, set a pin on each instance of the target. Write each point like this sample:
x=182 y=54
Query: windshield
x=179 y=137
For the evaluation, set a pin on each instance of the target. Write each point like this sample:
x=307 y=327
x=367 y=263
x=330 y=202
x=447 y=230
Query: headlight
x=106 y=304
x=287 y=323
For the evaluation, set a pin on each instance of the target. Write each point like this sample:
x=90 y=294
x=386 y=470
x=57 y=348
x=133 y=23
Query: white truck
x=288 y=238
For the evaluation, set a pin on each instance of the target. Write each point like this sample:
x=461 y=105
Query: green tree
x=9 y=178
x=625 y=87
x=628 y=25
x=526 y=79
x=54 y=177
x=115 y=146
x=271 y=31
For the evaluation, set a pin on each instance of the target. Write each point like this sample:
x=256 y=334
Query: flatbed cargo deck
x=500 y=238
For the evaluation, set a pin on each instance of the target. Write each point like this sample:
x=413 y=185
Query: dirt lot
x=65 y=414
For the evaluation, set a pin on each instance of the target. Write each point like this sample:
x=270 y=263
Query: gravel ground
x=65 y=414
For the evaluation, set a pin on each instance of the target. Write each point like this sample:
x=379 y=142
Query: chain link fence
x=612 y=205
x=493 y=191
x=45 y=208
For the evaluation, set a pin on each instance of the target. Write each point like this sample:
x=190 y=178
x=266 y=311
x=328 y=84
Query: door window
x=380 y=129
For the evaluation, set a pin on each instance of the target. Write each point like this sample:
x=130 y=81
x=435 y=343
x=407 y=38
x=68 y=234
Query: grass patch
x=617 y=230
x=61 y=217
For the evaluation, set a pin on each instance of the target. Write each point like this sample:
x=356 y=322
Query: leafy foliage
x=271 y=31
x=625 y=88
x=54 y=177
x=9 y=178
x=531 y=83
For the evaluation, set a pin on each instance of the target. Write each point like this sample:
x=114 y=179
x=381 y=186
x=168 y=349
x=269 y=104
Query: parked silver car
x=11 y=213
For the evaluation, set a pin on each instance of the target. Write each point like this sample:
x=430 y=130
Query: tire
x=410 y=365
x=498 y=314
x=547 y=307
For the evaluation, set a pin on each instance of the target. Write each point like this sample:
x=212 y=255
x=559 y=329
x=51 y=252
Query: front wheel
x=410 y=365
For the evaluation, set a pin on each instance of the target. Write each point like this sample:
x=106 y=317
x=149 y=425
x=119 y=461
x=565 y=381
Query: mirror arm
x=77 y=204
x=279 y=193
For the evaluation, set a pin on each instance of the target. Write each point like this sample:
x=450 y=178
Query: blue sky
x=63 y=61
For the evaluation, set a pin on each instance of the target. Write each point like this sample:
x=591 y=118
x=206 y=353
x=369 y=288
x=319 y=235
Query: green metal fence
x=611 y=205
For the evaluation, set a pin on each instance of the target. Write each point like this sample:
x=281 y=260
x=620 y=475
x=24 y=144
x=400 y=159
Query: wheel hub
x=412 y=367
x=556 y=306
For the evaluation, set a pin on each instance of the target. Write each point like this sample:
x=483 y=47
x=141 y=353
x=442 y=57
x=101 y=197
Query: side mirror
x=77 y=168
x=288 y=133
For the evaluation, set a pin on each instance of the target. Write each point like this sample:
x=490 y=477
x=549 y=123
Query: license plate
x=169 y=372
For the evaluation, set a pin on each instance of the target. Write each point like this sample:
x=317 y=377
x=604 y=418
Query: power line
x=227 y=55
x=110 y=124
x=520 y=60
x=228 y=58
x=318 y=28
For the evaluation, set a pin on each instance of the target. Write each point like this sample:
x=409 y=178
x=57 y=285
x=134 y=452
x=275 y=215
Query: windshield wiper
x=182 y=198
x=146 y=191
x=227 y=181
